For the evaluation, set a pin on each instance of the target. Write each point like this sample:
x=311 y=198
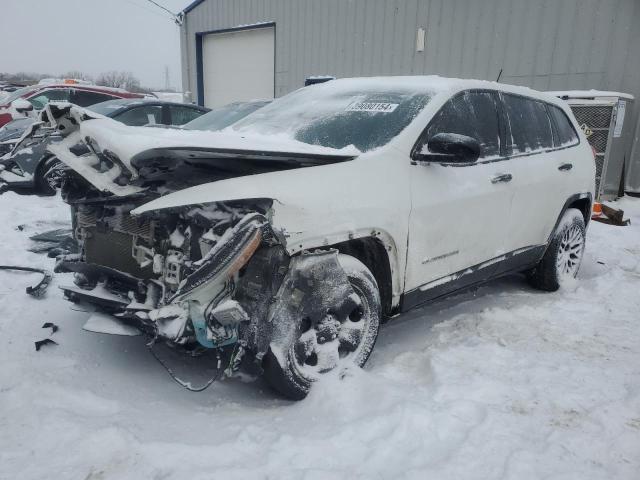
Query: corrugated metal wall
x=544 y=44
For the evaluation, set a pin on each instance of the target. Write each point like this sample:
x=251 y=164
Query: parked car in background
x=30 y=165
x=11 y=132
x=27 y=101
x=222 y=117
x=289 y=236
x=9 y=87
x=149 y=111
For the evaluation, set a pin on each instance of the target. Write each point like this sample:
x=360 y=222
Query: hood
x=129 y=143
x=123 y=160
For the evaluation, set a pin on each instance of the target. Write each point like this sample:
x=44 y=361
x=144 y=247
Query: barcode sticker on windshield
x=372 y=107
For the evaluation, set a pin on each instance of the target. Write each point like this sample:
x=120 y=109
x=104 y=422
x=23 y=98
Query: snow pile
x=504 y=382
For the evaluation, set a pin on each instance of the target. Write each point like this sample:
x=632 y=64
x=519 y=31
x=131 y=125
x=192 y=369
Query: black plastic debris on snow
x=54 y=328
x=39 y=289
x=54 y=242
x=40 y=343
x=47 y=341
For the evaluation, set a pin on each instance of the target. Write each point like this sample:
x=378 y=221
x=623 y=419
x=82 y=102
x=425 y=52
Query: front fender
x=320 y=206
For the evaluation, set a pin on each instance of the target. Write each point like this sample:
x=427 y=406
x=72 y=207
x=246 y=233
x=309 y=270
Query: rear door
x=538 y=184
x=460 y=212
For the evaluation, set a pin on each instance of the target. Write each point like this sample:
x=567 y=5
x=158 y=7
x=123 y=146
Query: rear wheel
x=344 y=337
x=563 y=257
x=48 y=176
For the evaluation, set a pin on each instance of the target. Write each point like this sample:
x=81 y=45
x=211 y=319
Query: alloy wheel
x=570 y=252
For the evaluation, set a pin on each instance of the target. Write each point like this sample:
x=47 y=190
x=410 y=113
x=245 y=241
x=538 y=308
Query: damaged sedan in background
x=285 y=239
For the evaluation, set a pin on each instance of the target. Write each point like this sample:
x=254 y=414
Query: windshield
x=18 y=93
x=364 y=113
x=224 y=116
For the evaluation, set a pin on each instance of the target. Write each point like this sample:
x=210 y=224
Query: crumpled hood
x=128 y=142
x=132 y=151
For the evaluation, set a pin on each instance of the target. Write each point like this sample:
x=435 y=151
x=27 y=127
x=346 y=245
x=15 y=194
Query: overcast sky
x=93 y=36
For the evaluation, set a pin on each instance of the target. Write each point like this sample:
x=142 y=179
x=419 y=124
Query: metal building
x=246 y=49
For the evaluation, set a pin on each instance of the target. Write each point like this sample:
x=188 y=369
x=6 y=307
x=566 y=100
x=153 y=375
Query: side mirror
x=22 y=106
x=451 y=148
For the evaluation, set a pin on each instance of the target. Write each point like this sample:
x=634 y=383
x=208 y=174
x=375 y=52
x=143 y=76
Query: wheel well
x=584 y=205
x=373 y=254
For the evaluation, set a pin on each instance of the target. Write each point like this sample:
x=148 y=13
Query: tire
x=295 y=378
x=47 y=175
x=564 y=254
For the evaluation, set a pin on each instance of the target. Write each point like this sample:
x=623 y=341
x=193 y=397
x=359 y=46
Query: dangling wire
x=182 y=383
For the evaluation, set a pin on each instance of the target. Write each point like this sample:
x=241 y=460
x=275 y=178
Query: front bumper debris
x=199 y=310
x=40 y=288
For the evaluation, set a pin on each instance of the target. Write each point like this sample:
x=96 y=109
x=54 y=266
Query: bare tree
x=117 y=79
x=29 y=76
x=77 y=75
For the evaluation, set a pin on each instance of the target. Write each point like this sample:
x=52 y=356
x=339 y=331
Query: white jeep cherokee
x=287 y=238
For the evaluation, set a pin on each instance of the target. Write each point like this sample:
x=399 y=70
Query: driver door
x=460 y=211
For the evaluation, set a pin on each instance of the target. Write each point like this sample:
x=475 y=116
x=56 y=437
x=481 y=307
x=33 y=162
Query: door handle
x=565 y=167
x=503 y=177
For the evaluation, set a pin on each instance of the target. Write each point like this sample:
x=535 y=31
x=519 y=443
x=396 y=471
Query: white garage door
x=238 y=66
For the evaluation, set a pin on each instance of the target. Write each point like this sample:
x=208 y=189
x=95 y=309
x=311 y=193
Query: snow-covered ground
x=501 y=382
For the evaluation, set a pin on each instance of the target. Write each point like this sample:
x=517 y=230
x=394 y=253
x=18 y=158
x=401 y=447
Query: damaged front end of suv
x=200 y=274
x=172 y=274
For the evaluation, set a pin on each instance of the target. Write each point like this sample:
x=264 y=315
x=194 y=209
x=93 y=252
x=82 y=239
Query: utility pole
x=167 y=83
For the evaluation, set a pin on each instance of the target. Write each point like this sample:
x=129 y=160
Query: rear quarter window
x=529 y=125
x=567 y=135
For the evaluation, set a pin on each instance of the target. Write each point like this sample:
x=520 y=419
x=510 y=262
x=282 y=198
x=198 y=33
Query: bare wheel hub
x=54 y=175
x=336 y=337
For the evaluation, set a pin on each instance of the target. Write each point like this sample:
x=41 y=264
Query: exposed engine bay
x=158 y=272
x=198 y=276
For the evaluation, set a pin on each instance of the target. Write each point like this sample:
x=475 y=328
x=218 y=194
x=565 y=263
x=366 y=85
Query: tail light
x=5 y=118
x=593 y=150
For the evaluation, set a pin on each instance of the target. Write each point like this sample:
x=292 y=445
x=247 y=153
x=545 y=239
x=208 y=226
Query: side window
x=566 y=133
x=85 y=98
x=182 y=115
x=530 y=126
x=39 y=100
x=473 y=114
x=141 y=116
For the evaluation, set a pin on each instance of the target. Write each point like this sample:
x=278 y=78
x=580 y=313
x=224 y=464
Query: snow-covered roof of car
x=438 y=84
